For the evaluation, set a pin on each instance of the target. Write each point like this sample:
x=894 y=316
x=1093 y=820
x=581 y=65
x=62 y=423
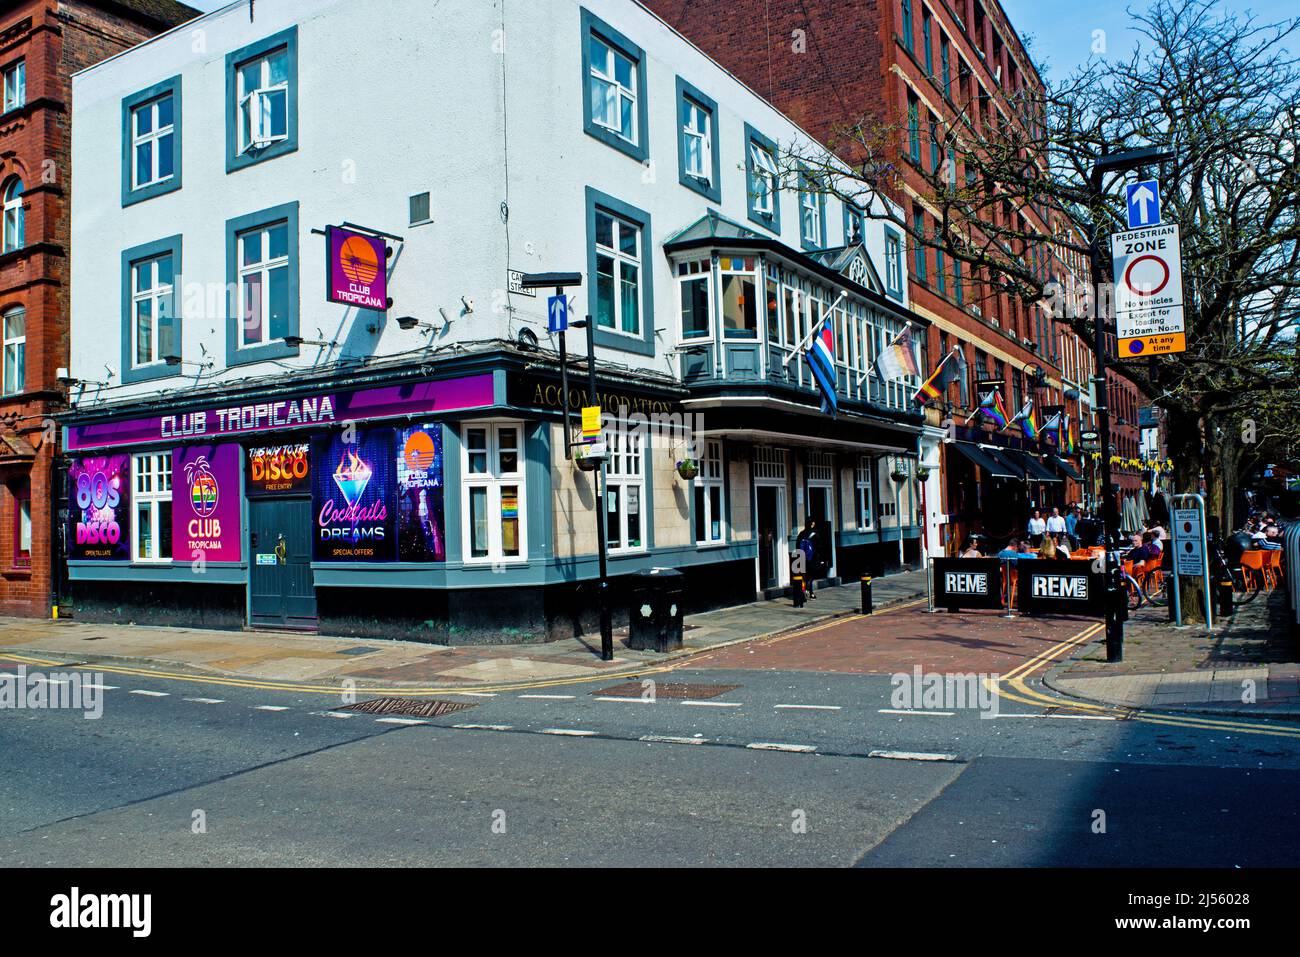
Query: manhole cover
x=665 y=689
x=408 y=707
x=358 y=650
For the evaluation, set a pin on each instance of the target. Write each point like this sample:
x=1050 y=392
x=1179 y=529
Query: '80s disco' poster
x=419 y=494
x=99 y=499
x=353 y=492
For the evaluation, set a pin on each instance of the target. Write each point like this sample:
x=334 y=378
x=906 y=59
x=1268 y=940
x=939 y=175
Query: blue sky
x=1062 y=32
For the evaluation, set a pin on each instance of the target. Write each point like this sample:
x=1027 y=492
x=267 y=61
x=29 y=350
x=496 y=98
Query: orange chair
x=1273 y=566
x=1253 y=568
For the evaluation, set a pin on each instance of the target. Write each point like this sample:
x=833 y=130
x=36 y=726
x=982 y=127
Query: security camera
x=468 y=302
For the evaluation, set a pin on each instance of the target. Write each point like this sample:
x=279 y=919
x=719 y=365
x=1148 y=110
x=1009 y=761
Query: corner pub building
x=375 y=447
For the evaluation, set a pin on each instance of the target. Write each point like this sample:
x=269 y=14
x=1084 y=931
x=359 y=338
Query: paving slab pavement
x=380 y=663
x=1248 y=665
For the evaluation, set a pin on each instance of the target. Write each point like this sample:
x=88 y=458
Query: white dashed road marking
x=482 y=727
x=205 y=700
x=773 y=746
x=334 y=714
x=549 y=697
x=569 y=732
x=101 y=687
x=271 y=707
x=152 y=694
x=632 y=700
x=809 y=707
x=399 y=721
x=715 y=704
x=671 y=739
x=933 y=714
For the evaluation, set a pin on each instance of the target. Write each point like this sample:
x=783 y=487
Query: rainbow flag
x=1051 y=431
x=935 y=387
x=1026 y=419
x=991 y=408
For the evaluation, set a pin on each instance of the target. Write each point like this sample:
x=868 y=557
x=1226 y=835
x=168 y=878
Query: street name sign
x=1148 y=270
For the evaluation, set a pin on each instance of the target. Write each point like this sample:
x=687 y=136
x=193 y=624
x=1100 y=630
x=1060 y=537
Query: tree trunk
x=1186 y=449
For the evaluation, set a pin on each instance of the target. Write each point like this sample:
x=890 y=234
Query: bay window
x=739 y=298
x=694 y=281
x=492 y=463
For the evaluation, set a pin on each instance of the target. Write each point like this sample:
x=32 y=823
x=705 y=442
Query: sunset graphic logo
x=418 y=453
x=358 y=260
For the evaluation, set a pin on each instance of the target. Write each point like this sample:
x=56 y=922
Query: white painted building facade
x=565 y=136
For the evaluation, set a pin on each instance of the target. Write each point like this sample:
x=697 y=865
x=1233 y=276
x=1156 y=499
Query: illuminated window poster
x=353 y=492
x=99 y=499
x=279 y=469
x=420 y=522
x=206 y=503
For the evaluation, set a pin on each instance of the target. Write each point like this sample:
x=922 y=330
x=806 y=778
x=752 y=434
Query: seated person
x=1012 y=551
x=1026 y=550
x=971 y=550
x=1272 y=540
x=1144 y=550
x=1061 y=550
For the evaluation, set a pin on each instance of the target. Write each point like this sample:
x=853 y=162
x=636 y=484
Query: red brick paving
x=885 y=644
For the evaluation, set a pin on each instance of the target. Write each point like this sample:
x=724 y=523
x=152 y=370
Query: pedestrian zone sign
x=1148 y=270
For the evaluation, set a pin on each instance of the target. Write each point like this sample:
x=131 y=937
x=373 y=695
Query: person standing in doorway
x=808 y=541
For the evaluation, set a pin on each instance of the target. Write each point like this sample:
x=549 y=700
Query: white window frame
x=608 y=91
x=864 y=498
x=158 y=295
x=18 y=345
x=620 y=260
x=15 y=79
x=15 y=226
x=257 y=103
x=263 y=267
x=698 y=129
x=810 y=215
x=893 y=263
x=709 y=479
x=153 y=137
x=763 y=199
x=151 y=485
x=493 y=482
x=624 y=470
x=705 y=276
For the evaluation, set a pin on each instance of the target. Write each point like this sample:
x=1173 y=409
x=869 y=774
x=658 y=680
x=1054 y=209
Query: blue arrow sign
x=557 y=313
x=1143 y=204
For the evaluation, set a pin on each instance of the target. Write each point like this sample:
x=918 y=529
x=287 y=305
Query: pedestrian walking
x=1037 y=527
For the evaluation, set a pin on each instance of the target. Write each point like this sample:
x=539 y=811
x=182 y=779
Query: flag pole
x=803 y=343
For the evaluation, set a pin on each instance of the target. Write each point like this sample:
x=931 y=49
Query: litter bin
x=654 y=613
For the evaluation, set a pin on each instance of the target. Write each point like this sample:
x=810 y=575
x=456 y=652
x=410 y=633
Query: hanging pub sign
x=1061 y=587
x=279 y=469
x=967 y=583
x=353 y=485
x=356 y=271
x=99 y=513
x=420 y=523
x=206 y=502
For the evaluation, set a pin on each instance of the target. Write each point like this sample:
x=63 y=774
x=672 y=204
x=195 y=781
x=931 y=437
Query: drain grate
x=408 y=707
x=666 y=689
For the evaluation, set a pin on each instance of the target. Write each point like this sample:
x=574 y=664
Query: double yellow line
x=1026 y=695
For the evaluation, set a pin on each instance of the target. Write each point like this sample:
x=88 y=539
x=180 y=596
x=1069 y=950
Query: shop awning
x=1065 y=468
x=1028 y=465
x=991 y=464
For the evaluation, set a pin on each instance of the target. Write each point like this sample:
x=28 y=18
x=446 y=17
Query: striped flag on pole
x=1051 y=430
x=992 y=409
x=898 y=359
x=1026 y=419
x=821 y=360
x=948 y=372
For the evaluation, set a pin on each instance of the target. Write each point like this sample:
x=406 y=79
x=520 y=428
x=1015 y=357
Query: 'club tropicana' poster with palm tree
x=206 y=502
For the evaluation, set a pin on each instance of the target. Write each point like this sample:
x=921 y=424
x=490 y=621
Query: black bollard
x=1225 y=599
x=866 y=594
x=797 y=591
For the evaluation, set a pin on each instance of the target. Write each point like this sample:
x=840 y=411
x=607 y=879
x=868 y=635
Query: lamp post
x=1109 y=163
x=560 y=281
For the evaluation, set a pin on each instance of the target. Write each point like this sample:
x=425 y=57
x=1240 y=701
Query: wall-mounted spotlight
x=410 y=322
x=178 y=361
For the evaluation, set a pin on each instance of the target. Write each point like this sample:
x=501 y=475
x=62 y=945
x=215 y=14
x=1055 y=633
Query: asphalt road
x=784 y=768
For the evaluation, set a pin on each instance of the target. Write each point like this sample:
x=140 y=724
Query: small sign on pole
x=1143 y=204
x=1148 y=269
x=591 y=423
x=557 y=314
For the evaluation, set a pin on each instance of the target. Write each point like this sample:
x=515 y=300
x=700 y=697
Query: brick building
x=42 y=43
x=917 y=68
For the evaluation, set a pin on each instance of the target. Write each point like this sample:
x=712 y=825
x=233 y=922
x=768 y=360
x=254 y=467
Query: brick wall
x=54 y=40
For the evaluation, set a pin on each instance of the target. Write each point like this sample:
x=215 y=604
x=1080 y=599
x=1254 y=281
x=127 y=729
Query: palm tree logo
x=203 y=486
